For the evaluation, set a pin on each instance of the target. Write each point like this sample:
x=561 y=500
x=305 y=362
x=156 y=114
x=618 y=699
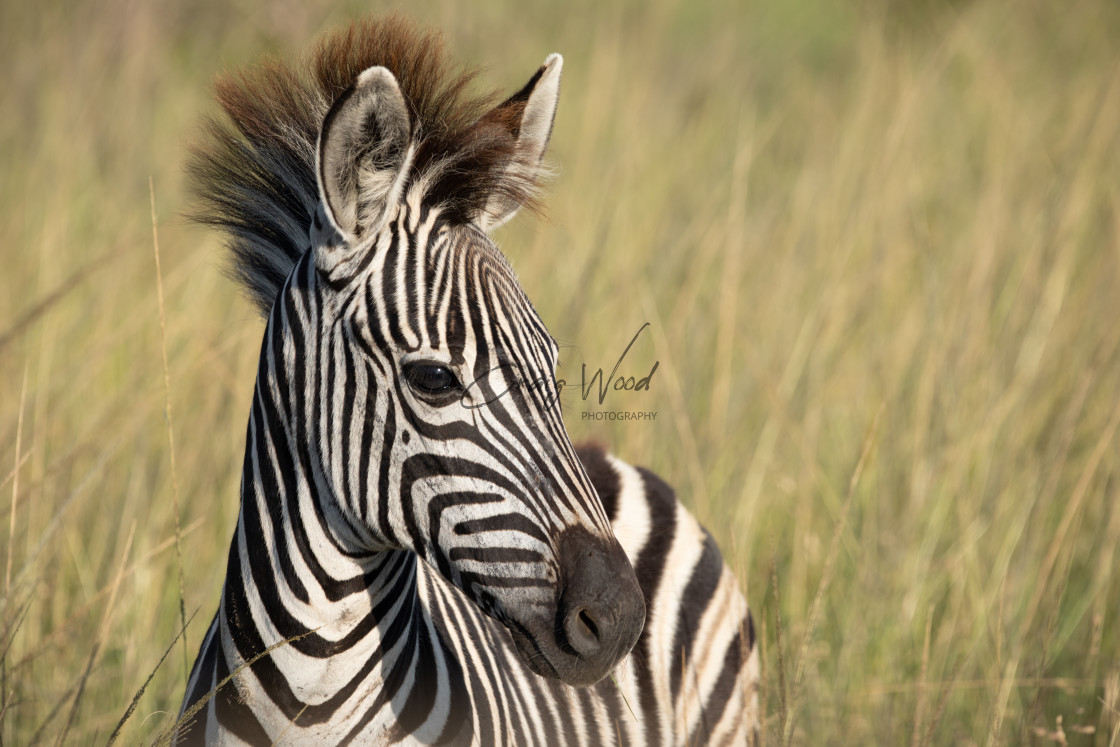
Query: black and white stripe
x=422 y=556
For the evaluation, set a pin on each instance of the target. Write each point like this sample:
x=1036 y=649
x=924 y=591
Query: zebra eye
x=433 y=381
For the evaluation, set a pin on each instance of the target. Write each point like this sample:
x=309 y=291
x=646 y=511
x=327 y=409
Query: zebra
x=422 y=556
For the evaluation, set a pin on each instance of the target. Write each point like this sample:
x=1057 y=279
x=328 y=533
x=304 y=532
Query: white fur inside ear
x=364 y=153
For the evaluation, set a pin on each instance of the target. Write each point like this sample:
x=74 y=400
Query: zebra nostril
x=583 y=631
x=589 y=623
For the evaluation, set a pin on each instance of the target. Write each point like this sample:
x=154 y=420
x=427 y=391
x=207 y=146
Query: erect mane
x=254 y=172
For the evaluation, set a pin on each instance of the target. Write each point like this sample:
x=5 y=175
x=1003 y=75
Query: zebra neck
x=339 y=620
x=345 y=621
x=364 y=643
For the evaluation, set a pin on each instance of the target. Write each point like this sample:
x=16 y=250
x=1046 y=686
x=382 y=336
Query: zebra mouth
x=530 y=652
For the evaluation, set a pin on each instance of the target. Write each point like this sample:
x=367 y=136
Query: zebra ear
x=364 y=154
x=536 y=104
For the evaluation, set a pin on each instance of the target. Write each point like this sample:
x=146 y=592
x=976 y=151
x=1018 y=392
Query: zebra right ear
x=364 y=153
x=529 y=114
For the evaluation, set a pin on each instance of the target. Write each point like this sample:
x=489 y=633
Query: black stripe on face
x=506 y=522
x=413 y=263
x=603 y=477
x=423 y=467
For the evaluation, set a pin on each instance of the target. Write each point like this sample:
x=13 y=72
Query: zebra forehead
x=469 y=293
x=491 y=279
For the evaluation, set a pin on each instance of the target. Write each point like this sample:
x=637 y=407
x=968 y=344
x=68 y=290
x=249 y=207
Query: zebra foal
x=421 y=555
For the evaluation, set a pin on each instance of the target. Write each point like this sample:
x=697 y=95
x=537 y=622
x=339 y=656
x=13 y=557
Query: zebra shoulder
x=697 y=651
x=651 y=524
x=675 y=558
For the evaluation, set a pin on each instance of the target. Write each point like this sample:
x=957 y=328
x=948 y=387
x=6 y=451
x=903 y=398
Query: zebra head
x=440 y=429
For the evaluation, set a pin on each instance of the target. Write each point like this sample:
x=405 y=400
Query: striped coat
x=422 y=556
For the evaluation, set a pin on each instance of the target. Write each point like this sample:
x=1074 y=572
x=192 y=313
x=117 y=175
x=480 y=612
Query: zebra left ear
x=363 y=154
x=536 y=103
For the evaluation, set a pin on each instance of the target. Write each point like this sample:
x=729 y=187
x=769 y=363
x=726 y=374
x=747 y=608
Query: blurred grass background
x=886 y=229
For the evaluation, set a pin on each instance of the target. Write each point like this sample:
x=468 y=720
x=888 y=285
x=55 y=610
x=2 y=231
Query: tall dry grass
x=878 y=251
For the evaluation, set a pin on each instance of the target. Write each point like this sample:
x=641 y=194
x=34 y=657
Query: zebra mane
x=254 y=171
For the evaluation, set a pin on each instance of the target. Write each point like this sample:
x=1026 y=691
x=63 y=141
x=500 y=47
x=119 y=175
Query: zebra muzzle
x=600 y=610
